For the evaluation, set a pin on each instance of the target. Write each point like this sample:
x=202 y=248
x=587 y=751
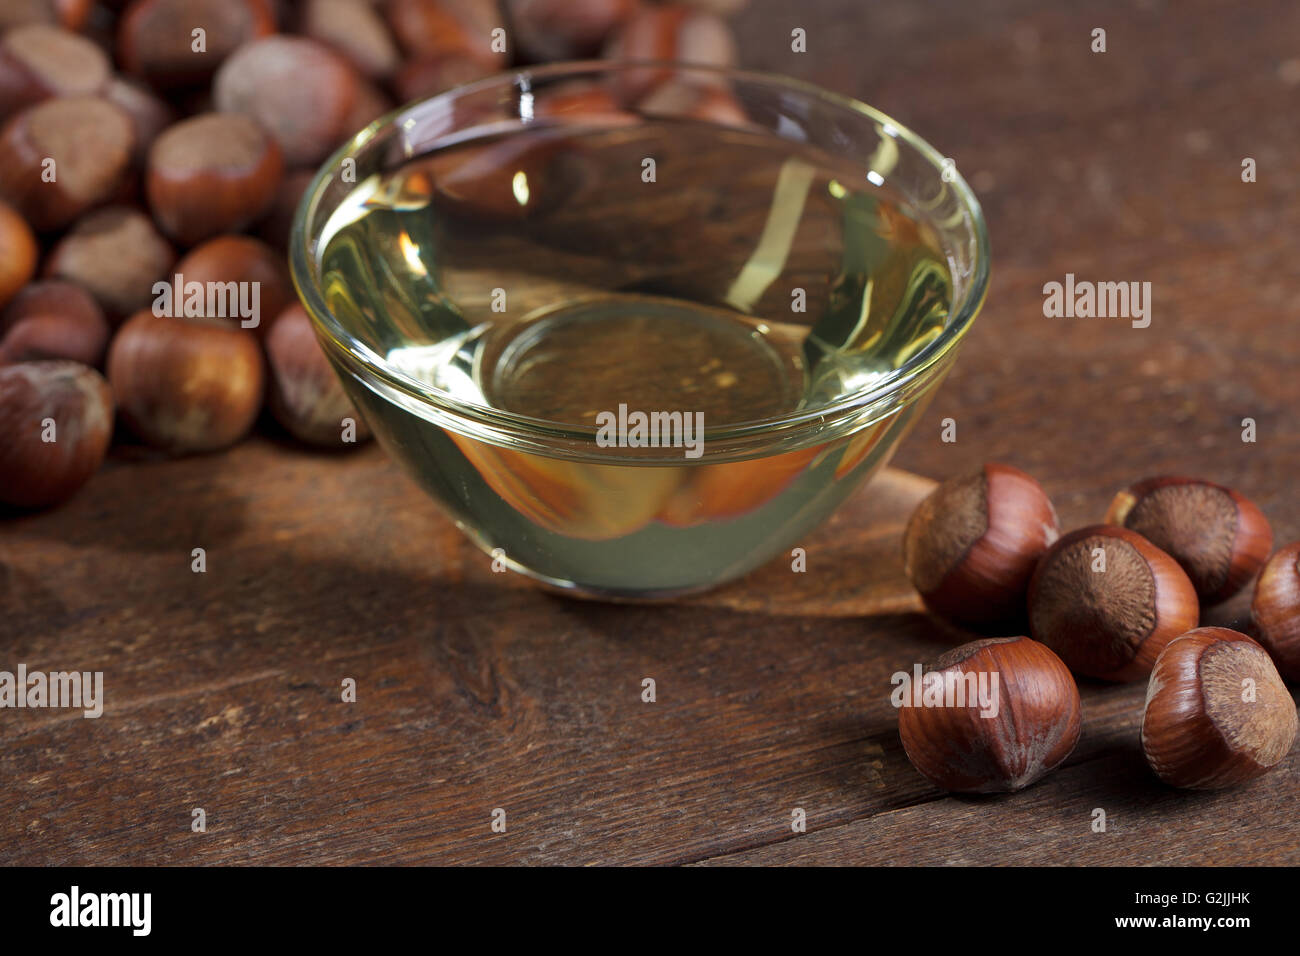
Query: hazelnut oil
x=559 y=276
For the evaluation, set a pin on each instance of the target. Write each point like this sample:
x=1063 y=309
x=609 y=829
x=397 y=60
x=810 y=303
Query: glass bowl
x=638 y=328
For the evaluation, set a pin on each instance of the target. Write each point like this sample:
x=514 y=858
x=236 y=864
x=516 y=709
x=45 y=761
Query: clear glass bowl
x=505 y=275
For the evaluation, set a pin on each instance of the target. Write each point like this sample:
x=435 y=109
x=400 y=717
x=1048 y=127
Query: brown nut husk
x=116 y=255
x=186 y=385
x=1220 y=537
x=53 y=320
x=57 y=419
x=971 y=546
x=1217 y=713
x=1108 y=601
x=1275 y=610
x=959 y=746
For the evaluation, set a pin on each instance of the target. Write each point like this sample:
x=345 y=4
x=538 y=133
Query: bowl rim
x=541 y=433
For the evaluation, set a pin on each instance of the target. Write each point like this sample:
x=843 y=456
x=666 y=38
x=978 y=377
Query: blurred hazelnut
x=565 y=29
x=210 y=174
x=116 y=255
x=433 y=29
x=421 y=78
x=355 y=29
x=57 y=419
x=277 y=224
x=242 y=259
x=149 y=114
x=186 y=385
x=53 y=320
x=38 y=62
x=63 y=157
x=265 y=80
x=155 y=38
x=1275 y=610
x=72 y=14
x=668 y=32
x=306 y=395
x=18 y=252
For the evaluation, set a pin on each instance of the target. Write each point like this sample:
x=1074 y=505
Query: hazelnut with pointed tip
x=306 y=395
x=1108 y=601
x=971 y=546
x=1217 y=713
x=1218 y=536
x=962 y=746
x=1275 y=610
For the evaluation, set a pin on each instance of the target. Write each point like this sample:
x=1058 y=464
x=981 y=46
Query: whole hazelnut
x=212 y=173
x=565 y=29
x=156 y=42
x=355 y=30
x=434 y=29
x=306 y=395
x=1107 y=601
x=264 y=80
x=1218 y=536
x=248 y=262
x=1217 y=714
x=38 y=62
x=186 y=385
x=1025 y=725
x=972 y=544
x=53 y=320
x=116 y=255
x=57 y=419
x=63 y=157
x=1275 y=610
x=18 y=252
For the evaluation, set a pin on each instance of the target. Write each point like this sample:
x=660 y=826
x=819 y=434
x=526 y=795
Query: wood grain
x=476 y=691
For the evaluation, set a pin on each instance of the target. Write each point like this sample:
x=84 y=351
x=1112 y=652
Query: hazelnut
x=277 y=225
x=57 y=419
x=668 y=32
x=210 y=174
x=434 y=29
x=1217 y=714
x=1031 y=723
x=18 y=252
x=972 y=544
x=264 y=79
x=1275 y=611
x=72 y=14
x=1218 y=536
x=63 y=157
x=420 y=78
x=149 y=114
x=306 y=396
x=1107 y=601
x=155 y=40
x=355 y=30
x=116 y=255
x=186 y=385
x=241 y=259
x=53 y=320
x=38 y=62
x=565 y=29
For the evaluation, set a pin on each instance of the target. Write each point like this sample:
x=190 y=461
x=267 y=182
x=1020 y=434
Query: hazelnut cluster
x=1117 y=601
x=144 y=139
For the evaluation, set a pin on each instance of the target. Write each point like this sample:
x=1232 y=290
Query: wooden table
x=477 y=692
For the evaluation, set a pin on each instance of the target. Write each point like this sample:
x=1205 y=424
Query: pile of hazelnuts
x=1117 y=601
x=143 y=139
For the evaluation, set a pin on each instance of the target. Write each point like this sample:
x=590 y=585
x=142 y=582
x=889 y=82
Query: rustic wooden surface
x=477 y=691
